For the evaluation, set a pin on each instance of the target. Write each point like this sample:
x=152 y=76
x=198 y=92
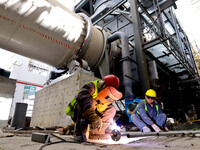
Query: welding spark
x=115 y=127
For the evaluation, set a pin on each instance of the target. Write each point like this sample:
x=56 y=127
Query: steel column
x=142 y=65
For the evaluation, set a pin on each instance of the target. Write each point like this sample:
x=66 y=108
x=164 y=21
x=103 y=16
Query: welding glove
x=95 y=120
x=101 y=107
x=67 y=130
x=156 y=128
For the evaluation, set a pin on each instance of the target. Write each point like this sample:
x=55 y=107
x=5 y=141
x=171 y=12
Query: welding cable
x=57 y=143
x=63 y=141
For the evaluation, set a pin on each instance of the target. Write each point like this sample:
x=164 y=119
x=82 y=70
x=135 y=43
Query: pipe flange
x=115 y=135
x=84 y=46
x=104 y=44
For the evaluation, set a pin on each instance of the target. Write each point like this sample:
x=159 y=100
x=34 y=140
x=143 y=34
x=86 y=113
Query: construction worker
x=93 y=105
x=149 y=114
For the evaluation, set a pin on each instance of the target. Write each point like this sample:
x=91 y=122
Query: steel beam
x=98 y=17
x=165 y=54
x=151 y=43
x=80 y=5
x=173 y=65
x=163 y=6
x=167 y=4
x=161 y=66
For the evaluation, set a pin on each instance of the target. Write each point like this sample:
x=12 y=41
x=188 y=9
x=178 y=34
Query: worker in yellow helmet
x=149 y=115
x=93 y=105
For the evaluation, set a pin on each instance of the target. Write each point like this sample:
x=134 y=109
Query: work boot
x=80 y=138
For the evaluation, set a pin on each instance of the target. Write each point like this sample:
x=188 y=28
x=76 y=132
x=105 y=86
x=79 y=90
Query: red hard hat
x=111 y=80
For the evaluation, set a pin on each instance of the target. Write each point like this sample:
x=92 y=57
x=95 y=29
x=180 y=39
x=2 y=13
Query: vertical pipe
x=141 y=60
x=126 y=63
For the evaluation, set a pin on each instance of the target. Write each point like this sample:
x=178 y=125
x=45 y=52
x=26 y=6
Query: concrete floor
x=22 y=142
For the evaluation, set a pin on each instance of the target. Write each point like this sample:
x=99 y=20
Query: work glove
x=166 y=129
x=101 y=107
x=156 y=128
x=95 y=120
x=97 y=123
x=68 y=130
x=146 y=129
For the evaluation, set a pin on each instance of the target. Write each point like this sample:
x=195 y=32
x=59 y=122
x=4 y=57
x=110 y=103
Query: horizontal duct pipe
x=48 y=33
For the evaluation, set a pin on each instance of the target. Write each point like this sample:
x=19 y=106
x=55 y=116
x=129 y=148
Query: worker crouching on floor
x=93 y=105
x=149 y=114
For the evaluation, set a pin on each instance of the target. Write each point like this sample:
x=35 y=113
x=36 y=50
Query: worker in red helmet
x=93 y=105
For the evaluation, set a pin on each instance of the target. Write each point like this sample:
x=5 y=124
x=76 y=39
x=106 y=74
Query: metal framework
x=159 y=35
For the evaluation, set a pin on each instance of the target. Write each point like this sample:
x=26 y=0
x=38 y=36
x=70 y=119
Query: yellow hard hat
x=150 y=93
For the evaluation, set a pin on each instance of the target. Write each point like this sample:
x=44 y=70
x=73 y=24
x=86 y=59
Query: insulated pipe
x=40 y=30
x=127 y=74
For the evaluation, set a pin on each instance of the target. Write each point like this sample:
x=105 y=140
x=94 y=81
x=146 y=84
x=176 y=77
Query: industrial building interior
x=140 y=41
x=164 y=43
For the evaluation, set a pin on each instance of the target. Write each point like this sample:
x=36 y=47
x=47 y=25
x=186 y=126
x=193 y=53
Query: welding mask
x=106 y=97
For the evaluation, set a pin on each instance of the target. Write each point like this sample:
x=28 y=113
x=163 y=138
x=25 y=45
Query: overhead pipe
x=127 y=74
x=51 y=34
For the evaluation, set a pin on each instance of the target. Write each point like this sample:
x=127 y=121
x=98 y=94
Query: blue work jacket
x=151 y=112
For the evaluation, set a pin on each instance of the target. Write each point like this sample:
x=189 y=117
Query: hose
x=51 y=143
x=57 y=143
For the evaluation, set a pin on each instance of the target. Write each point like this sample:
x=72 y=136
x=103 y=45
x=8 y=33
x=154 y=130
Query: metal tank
x=41 y=30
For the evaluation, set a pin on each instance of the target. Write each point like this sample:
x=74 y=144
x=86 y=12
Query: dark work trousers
x=82 y=123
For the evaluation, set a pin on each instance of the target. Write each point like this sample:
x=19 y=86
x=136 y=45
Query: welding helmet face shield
x=106 y=97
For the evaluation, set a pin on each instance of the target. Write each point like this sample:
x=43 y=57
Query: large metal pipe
x=127 y=74
x=48 y=33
